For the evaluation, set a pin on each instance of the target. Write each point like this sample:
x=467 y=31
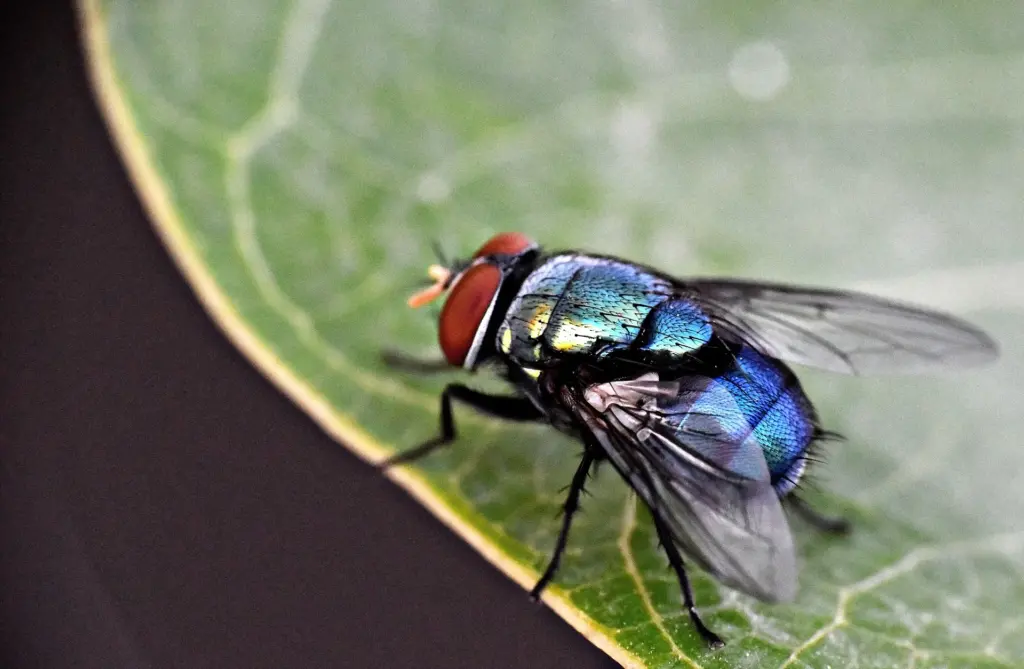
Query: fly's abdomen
x=757 y=399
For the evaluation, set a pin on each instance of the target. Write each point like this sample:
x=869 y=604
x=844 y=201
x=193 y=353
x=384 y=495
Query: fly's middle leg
x=572 y=504
x=676 y=561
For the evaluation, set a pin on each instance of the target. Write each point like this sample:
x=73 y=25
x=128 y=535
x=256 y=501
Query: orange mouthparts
x=440 y=275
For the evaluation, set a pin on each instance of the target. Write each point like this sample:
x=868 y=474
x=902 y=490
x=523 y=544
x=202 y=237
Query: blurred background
x=164 y=505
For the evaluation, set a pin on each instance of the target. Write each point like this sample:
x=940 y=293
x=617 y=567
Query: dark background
x=161 y=504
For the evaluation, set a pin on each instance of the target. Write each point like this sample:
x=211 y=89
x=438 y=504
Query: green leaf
x=299 y=158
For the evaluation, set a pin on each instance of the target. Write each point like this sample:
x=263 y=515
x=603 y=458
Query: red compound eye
x=510 y=243
x=465 y=309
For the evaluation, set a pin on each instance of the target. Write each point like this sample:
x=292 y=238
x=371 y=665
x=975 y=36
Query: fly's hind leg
x=499 y=406
x=676 y=561
x=829 y=524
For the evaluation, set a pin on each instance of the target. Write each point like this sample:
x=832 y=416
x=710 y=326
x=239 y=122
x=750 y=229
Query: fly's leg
x=830 y=524
x=676 y=560
x=499 y=406
x=407 y=363
x=572 y=504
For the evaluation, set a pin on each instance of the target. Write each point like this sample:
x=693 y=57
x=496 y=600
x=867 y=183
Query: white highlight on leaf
x=633 y=128
x=433 y=188
x=759 y=71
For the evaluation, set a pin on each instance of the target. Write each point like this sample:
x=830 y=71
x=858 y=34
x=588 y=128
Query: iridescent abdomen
x=756 y=399
x=583 y=305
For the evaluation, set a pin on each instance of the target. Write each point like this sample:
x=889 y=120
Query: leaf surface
x=299 y=158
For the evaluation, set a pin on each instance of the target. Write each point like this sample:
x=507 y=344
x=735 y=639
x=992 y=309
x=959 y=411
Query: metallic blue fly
x=682 y=385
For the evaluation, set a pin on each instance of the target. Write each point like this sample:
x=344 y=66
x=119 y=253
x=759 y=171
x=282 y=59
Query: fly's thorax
x=573 y=304
x=521 y=333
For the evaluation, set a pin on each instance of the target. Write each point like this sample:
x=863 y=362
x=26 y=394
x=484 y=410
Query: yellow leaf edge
x=158 y=204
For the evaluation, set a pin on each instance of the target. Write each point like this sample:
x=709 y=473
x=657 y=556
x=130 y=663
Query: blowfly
x=683 y=385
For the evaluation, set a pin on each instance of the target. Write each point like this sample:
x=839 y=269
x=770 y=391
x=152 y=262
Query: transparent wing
x=728 y=519
x=837 y=330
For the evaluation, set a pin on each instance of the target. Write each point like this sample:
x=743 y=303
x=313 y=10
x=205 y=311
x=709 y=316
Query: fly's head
x=473 y=288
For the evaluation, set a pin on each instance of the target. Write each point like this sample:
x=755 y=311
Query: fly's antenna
x=441 y=276
x=442 y=258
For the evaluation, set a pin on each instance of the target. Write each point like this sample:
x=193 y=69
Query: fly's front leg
x=499 y=406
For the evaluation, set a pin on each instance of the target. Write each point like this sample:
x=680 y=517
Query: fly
x=683 y=385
